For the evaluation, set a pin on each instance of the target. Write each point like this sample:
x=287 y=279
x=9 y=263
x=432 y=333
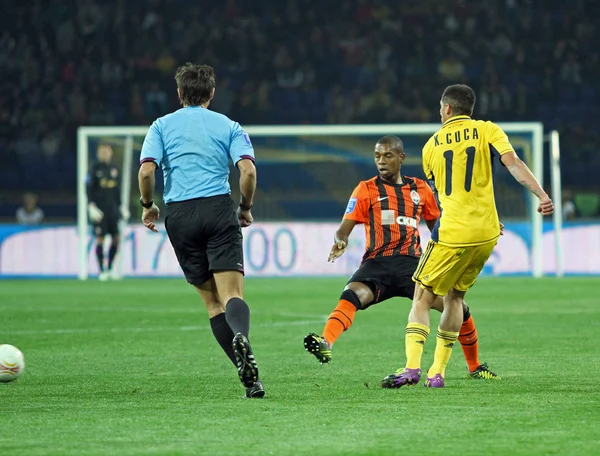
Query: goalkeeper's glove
x=94 y=213
x=125 y=214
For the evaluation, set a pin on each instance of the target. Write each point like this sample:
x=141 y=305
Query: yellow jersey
x=458 y=159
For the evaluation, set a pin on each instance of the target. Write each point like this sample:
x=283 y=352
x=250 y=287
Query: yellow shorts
x=442 y=268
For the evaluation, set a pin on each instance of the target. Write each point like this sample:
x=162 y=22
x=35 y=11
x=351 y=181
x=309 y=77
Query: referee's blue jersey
x=193 y=146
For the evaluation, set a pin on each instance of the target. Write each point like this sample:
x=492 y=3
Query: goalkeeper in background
x=104 y=208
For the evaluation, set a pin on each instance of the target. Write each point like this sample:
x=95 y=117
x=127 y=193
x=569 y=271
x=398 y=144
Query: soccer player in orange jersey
x=390 y=206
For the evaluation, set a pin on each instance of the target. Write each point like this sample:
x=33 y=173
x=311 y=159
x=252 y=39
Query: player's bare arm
x=340 y=241
x=146 y=181
x=525 y=177
x=247 y=189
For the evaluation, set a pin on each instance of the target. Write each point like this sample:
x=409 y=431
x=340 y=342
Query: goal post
x=534 y=156
x=556 y=183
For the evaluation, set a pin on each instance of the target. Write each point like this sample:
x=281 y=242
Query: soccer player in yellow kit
x=458 y=160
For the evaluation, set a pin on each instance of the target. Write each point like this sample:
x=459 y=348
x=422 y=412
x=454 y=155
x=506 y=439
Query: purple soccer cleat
x=437 y=381
x=402 y=377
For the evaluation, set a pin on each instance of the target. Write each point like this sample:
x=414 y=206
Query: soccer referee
x=193 y=146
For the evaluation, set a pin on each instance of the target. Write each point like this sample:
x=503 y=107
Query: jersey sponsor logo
x=107 y=183
x=351 y=205
x=408 y=221
x=246 y=137
x=415 y=197
x=388 y=217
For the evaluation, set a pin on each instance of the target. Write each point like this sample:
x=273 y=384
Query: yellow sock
x=443 y=349
x=416 y=335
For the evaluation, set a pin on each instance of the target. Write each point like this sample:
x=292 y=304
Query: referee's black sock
x=237 y=313
x=224 y=335
x=100 y=256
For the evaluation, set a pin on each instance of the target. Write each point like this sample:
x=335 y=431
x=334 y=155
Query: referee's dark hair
x=461 y=99
x=195 y=83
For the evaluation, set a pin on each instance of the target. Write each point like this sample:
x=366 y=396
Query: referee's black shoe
x=256 y=391
x=246 y=365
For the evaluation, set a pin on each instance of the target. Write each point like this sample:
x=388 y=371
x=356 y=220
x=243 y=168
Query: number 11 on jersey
x=449 y=157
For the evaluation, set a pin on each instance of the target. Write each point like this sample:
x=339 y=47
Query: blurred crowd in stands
x=68 y=63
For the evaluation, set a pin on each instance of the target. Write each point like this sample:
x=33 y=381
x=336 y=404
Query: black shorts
x=206 y=236
x=388 y=277
x=109 y=223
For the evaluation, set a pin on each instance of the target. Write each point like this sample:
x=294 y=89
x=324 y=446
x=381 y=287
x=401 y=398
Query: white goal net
x=306 y=174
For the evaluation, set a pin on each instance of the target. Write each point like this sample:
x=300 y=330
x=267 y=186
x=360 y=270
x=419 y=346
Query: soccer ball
x=12 y=363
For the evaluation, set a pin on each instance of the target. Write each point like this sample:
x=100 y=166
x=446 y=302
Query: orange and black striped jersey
x=391 y=215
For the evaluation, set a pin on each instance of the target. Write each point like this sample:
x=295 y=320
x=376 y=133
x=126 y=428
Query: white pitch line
x=274 y=324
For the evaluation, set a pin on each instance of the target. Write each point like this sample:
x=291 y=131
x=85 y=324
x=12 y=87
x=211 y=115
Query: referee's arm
x=247 y=182
x=150 y=158
x=147 y=181
x=242 y=154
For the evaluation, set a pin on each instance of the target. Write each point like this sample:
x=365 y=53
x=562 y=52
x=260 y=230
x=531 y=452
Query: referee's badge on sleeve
x=247 y=138
x=351 y=205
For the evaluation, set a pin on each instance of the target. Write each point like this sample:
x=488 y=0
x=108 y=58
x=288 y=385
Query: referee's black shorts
x=206 y=236
x=388 y=276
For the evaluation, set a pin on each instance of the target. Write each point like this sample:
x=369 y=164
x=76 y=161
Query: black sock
x=112 y=252
x=224 y=335
x=466 y=314
x=237 y=313
x=100 y=256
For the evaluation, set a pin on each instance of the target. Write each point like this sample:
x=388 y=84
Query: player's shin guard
x=237 y=314
x=224 y=335
x=416 y=335
x=468 y=341
x=112 y=253
x=342 y=316
x=445 y=340
x=100 y=256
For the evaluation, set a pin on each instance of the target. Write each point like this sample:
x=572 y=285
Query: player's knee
x=99 y=240
x=350 y=296
x=457 y=295
x=454 y=299
x=425 y=298
x=438 y=304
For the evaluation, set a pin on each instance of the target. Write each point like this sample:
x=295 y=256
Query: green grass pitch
x=131 y=368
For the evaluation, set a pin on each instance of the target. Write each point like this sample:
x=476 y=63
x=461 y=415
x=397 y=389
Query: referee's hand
x=245 y=217
x=149 y=216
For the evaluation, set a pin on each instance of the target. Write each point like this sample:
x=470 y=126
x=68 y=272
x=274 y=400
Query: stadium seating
x=340 y=66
